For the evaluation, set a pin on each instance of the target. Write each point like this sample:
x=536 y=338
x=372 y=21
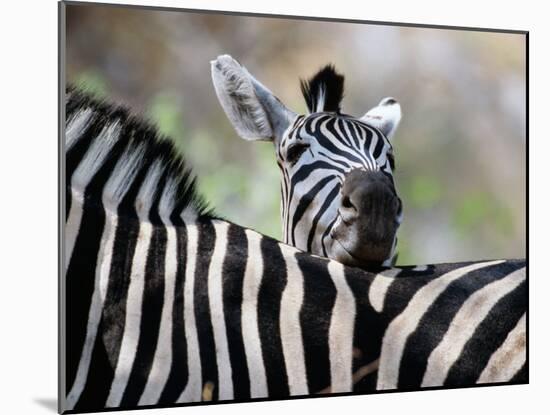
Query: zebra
x=338 y=196
x=168 y=304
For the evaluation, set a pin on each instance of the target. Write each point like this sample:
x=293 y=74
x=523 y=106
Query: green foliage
x=423 y=192
x=164 y=110
x=93 y=82
x=405 y=250
x=479 y=209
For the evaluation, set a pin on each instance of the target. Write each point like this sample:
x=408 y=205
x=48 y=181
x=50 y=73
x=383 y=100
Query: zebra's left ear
x=385 y=116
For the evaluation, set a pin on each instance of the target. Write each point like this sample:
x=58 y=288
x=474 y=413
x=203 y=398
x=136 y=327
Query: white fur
x=122 y=177
x=320 y=105
x=73 y=224
x=230 y=79
x=217 y=316
x=168 y=200
x=193 y=389
x=146 y=194
x=291 y=329
x=76 y=125
x=189 y=215
x=341 y=329
x=385 y=117
x=249 y=314
x=95 y=156
x=379 y=287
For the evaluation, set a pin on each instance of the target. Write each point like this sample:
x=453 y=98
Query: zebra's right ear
x=256 y=114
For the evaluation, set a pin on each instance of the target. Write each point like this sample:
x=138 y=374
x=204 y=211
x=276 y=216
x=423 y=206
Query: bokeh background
x=460 y=150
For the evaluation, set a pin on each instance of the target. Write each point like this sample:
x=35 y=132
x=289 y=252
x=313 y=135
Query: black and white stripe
x=168 y=304
x=318 y=154
x=311 y=187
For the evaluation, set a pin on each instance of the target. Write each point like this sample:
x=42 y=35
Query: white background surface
x=28 y=219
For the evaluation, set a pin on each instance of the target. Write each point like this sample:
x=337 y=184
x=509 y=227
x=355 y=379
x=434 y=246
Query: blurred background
x=460 y=149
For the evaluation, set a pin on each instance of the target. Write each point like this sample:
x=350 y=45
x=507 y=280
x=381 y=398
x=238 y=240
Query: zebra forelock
x=324 y=91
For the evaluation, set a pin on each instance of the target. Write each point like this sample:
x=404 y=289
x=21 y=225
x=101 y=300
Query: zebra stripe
x=291 y=330
x=233 y=279
x=112 y=195
x=273 y=283
x=169 y=304
x=205 y=326
x=162 y=360
x=342 y=325
x=98 y=296
x=76 y=125
x=193 y=389
x=472 y=312
x=252 y=345
x=87 y=169
x=131 y=335
x=319 y=289
x=379 y=288
x=402 y=326
x=215 y=298
x=509 y=358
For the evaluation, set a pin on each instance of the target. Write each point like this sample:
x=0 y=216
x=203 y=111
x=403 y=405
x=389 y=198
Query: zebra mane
x=122 y=160
x=324 y=91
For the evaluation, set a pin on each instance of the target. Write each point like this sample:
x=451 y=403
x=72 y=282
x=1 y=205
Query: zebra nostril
x=346 y=203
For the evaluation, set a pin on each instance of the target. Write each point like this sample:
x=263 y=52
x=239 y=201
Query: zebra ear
x=385 y=116
x=256 y=114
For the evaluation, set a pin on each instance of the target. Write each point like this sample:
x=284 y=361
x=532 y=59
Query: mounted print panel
x=271 y=207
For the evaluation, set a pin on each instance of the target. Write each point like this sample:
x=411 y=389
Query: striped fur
x=168 y=304
x=311 y=189
x=318 y=153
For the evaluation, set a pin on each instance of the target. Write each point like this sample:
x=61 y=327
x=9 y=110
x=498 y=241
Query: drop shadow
x=48 y=403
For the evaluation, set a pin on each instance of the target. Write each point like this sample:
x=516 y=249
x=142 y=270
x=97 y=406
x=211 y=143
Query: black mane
x=328 y=83
x=149 y=148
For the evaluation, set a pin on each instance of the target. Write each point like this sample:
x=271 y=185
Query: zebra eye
x=294 y=152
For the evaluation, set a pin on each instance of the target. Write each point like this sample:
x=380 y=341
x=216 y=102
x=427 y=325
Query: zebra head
x=338 y=195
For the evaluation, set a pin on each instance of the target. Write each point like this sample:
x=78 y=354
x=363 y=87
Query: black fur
x=331 y=82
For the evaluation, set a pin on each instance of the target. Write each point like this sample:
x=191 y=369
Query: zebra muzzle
x=368 y=218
